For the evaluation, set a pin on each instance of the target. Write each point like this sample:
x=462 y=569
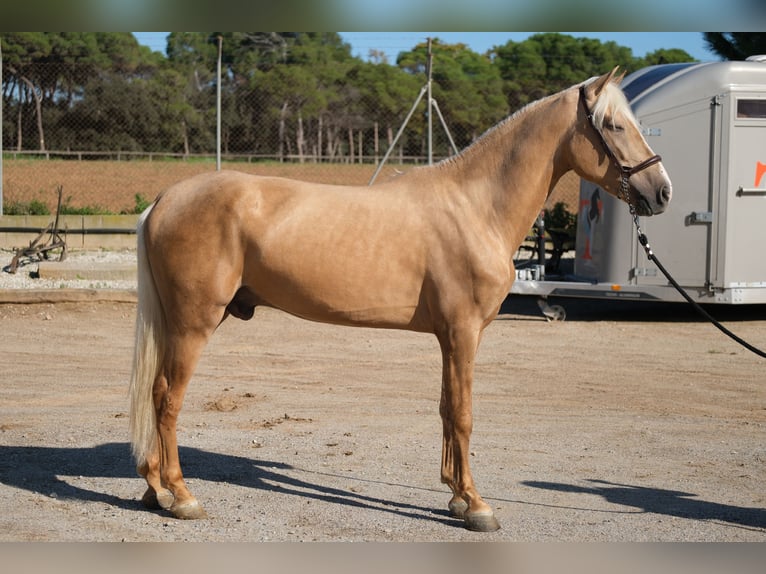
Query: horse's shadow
x=38 y=468
x=663 y=502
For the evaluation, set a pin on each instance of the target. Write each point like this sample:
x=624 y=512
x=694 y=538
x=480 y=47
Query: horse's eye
x=614 y=127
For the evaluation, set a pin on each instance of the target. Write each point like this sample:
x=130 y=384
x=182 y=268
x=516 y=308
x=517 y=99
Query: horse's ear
x=603 y=81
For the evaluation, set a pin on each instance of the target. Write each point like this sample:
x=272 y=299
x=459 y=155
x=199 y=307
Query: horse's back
x=218 y=194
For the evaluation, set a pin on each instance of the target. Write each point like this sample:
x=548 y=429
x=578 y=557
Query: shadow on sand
x=38 y=469
x=663 y=502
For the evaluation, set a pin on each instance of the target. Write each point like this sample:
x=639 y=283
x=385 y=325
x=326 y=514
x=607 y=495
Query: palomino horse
x=428 y=251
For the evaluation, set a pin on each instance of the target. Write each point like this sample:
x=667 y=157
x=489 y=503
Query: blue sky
x=391 y=43
x=640 y=42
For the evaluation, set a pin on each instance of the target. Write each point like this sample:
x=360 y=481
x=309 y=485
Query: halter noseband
x=625 y=171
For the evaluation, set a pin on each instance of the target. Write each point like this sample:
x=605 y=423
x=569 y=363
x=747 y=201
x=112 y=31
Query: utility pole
x=218 y=109
x=430 y=107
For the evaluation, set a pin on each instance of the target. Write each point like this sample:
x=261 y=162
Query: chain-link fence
x=72 y=110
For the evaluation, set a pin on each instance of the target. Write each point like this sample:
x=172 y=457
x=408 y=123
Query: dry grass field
x=112 y=186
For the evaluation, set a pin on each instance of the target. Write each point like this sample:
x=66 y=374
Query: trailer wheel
x=552 y=312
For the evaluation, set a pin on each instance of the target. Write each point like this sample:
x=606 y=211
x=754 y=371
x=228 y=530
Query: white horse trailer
x=708 y=122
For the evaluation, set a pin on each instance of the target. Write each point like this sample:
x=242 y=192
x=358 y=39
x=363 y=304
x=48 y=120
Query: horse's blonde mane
x=613 y=104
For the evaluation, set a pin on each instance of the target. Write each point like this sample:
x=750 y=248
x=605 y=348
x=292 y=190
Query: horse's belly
x=339 y=288
x=337 y=302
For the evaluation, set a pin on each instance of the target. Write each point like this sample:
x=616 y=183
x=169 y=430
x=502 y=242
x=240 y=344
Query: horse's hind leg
x=183 y=352
x=156 y=496
x=185 y=340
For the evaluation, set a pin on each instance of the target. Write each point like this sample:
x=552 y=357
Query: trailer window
x=751 y=109
x=651 y=77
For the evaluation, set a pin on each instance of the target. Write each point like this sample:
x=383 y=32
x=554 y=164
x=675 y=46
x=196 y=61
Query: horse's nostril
x=663 y=195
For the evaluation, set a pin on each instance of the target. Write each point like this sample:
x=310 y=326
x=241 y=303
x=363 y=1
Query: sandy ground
x=624 y=423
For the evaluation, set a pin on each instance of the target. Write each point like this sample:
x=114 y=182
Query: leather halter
x=625 y=171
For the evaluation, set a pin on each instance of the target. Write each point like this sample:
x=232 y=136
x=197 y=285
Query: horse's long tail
x=147 y=354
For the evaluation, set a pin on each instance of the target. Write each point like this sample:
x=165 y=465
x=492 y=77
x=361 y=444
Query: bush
x=67 y=209
x=561 y=219
x=34 y=207
x=141 y=204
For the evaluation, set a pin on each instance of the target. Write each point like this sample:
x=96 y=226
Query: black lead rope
x=652 y=257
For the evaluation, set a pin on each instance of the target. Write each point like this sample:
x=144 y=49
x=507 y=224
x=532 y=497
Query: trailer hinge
x=696 y=217
x=642 y=272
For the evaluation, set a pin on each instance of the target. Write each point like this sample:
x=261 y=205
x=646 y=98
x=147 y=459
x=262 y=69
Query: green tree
x=470 y=91
x=116 y=115
x=294 y=96
x=549 y=62
x=666 y=56
x=736 y=45
x=21 y=52
x=467 y=87
x=276 y=86
x=386 y=93
x=330 y=105
x=45 y=72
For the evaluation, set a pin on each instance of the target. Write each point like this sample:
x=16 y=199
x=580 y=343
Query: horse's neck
x=514 y=167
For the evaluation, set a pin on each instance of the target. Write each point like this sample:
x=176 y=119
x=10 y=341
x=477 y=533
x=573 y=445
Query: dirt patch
x=625 y=422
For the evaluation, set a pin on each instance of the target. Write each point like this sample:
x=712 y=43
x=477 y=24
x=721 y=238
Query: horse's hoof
x=481 y=522
x=188 y=511
x=457 y=507
x=157 y=500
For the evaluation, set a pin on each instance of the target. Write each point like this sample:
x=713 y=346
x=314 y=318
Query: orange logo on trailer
x=760 y=170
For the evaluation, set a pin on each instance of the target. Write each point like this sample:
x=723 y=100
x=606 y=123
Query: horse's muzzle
x=645 y=207
x=663 y=197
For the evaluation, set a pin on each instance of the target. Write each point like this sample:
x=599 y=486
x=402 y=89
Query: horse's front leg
x=458 y=353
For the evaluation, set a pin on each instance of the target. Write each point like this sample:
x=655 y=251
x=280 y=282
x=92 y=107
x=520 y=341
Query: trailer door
x=687 y=137
x=741 y=227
